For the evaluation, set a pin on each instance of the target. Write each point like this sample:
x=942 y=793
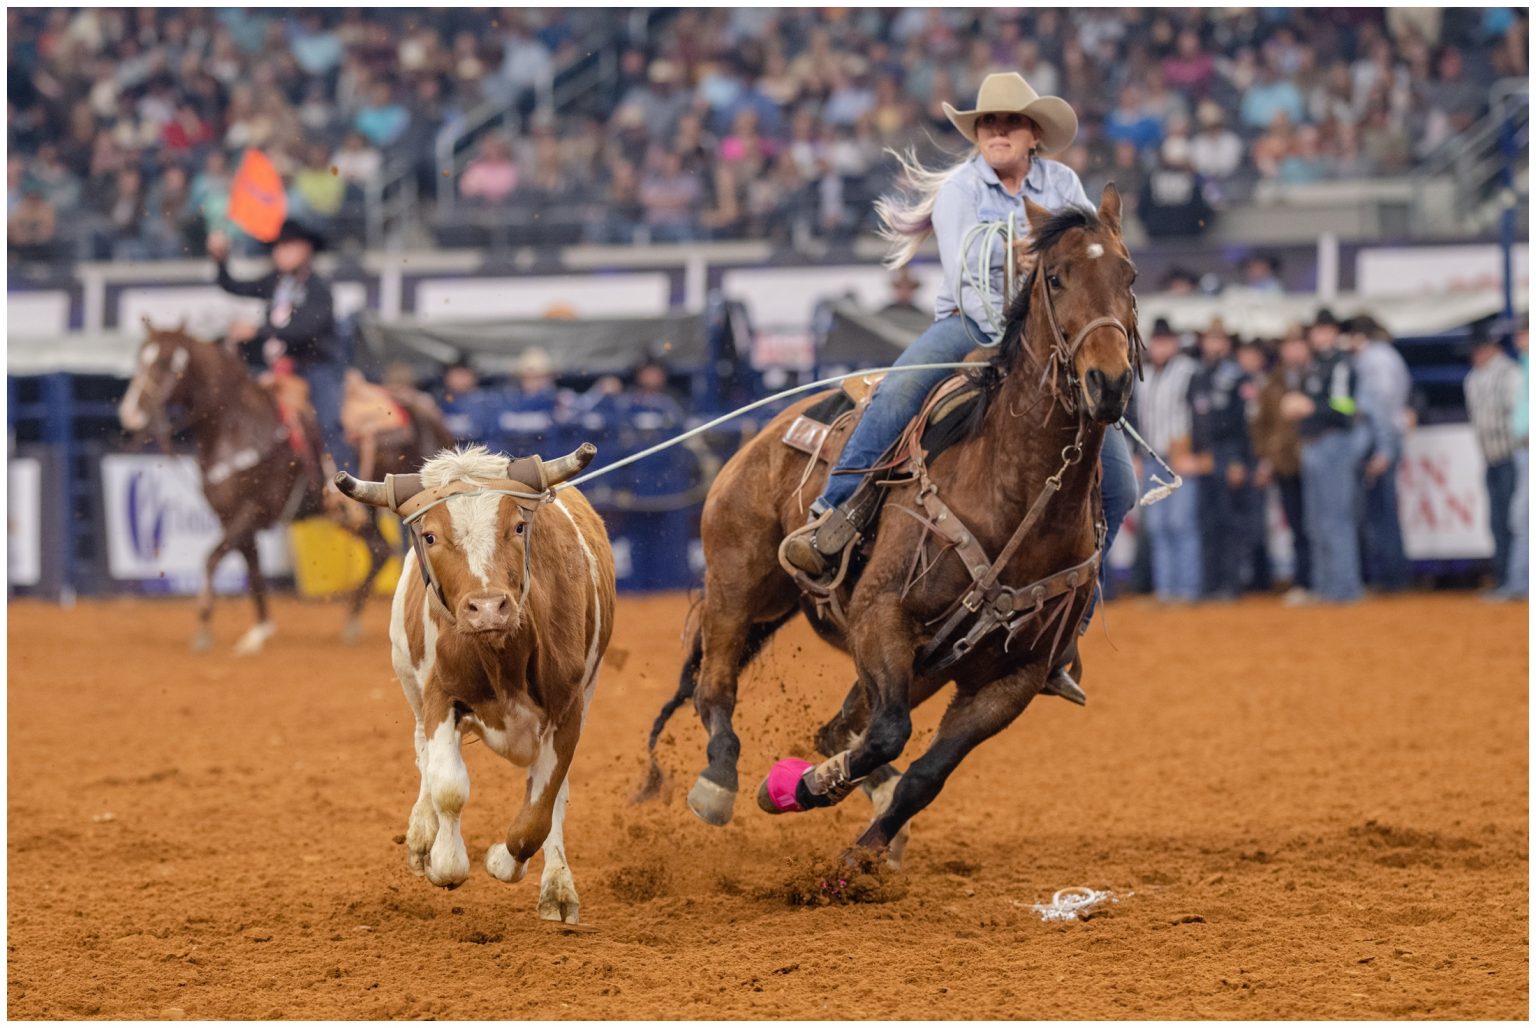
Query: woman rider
x=1011 y=127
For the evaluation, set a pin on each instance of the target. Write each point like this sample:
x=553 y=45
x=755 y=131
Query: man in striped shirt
x=1162 y=413
x=1491 y=388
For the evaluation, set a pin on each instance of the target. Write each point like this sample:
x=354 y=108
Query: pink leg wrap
x=777 y=793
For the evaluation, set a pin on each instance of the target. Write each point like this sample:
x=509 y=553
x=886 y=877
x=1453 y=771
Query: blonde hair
x=906 y=219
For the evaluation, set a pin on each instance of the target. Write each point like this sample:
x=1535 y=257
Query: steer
x=497 y=628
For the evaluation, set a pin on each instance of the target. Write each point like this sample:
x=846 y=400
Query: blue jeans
x=1500 y=479
x=1172 y=527
x=1517 y=580
x=896 y=402
x=1386 y=565
x=1329 y=486
x=325 y=391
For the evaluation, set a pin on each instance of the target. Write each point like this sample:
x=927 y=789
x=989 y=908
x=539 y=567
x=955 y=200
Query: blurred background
x=614 y=224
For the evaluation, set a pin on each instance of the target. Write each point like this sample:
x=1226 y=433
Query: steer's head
x=475 y=540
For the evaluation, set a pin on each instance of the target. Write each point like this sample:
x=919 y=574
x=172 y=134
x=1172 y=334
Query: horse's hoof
x=712 y=803
x=254 y=639
x=352 y=632
x=202 y=642
x=777 y=793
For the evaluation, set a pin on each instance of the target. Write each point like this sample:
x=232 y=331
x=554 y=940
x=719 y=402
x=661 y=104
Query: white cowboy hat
x=1007 y=92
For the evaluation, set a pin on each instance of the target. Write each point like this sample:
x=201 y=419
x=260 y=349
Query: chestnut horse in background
x=252 y=476
x=1062 y=372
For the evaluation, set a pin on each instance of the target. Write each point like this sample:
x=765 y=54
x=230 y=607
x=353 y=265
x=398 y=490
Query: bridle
x=413 y=509
x=1062 y=362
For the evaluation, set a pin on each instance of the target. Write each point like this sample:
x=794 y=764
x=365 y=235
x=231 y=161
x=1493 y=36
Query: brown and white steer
x=506 y=645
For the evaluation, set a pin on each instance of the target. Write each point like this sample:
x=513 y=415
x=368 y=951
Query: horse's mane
x=1011 y=349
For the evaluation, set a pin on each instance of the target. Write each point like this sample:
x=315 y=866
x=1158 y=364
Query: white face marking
x=179 y=360
x=150 y=355
x=474 y=529
x=1095 y=250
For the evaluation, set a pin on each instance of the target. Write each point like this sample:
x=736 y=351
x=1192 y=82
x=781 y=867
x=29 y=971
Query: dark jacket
x=308 y=330
x=1330 y=384
x=1218 y=423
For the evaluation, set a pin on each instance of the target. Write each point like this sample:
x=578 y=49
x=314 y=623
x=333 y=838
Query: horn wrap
x=562 y=468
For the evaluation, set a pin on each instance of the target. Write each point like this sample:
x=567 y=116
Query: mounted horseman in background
x=297 y=335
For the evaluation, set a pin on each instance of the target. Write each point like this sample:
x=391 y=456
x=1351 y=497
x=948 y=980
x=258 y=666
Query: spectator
x=167 y=207
x=1491 y=388
x=32 y=226
x=1304 y=163
x=187 y=130
x=469 y=411
x=648 y=406
x=1269 y=96
x=1181 y=282
x=1261 y=272
x=1278 y=449
x=356 y=162
x=124 y=208
x=1172 y=202
x=531 y=412
x=1218 y=440
x=1216 y=152
x=1190 y=68
x=1324 y=409
x=1517 y=580
x=383 y=120
x=1162 y=415
x=904 y=287
x=620 y=212
x=1130 y=122
x=1384 y=385
x=670 y=197
x=492 y=177
x=318 y=186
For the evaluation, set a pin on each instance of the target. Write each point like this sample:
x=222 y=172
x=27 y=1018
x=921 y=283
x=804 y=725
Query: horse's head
x=160 y=379
x=1082 y=286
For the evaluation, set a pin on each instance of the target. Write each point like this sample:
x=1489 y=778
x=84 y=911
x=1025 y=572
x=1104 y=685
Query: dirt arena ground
x=1305 y=813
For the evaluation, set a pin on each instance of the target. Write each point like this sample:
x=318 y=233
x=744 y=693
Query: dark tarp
x=860 y=337
x=588 y=346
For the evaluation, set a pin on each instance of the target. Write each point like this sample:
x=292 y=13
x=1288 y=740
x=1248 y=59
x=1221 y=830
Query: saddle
x=824 y=428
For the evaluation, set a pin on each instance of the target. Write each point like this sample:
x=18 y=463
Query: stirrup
x=817 y=547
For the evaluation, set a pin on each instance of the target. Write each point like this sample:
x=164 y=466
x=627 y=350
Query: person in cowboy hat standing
x=300 y=325
x=1011 y=129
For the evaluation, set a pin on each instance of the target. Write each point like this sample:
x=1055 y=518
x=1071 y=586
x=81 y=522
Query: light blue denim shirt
x=973 y=196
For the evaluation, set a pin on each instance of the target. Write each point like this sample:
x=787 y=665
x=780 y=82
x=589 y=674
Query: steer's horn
x=375 y=494
x=561 y=468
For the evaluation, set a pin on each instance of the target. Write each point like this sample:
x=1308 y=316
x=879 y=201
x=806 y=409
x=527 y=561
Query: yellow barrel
x=329 y=561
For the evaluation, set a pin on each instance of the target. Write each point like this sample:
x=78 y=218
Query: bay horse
x=252 y=476
x=1022 y=482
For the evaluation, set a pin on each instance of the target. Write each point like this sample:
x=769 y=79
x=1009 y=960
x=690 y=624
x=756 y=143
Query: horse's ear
x=1109 y=208
x=181 y=329
x=149 y=326
x=1037 y=216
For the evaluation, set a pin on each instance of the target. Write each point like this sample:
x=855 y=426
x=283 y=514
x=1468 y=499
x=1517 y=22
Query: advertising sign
x=1442 y=500
x=24 y=521
x=160 y=529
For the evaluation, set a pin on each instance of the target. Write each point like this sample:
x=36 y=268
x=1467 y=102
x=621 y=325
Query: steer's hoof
x=712 y=803
x=777 y=793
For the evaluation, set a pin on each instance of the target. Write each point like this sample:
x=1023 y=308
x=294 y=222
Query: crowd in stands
x=1319 y=416
x=124 y=124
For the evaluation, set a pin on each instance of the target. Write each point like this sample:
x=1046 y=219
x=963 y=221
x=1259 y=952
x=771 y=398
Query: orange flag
x=257 y=202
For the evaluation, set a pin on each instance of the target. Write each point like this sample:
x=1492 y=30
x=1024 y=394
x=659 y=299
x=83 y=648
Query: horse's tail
x=688 y=679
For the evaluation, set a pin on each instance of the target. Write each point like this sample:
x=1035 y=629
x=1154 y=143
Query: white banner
x=24 y=521
x=637 y=294
x=1442 y=499
x=160 y=528
x=1414 y=270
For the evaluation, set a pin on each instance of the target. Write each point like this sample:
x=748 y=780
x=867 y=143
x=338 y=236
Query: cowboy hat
x=1007 y=92
x=297 y=231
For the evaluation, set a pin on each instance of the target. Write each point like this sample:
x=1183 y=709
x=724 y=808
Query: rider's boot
x=817 y=547
x=1064 y=676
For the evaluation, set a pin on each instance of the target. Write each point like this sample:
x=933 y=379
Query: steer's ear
x=562 y=468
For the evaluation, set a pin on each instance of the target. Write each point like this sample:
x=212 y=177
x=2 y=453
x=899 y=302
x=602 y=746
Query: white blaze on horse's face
x=130 y=412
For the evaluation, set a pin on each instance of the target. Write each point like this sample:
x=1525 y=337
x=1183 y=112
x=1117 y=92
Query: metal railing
x=1473 y=164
